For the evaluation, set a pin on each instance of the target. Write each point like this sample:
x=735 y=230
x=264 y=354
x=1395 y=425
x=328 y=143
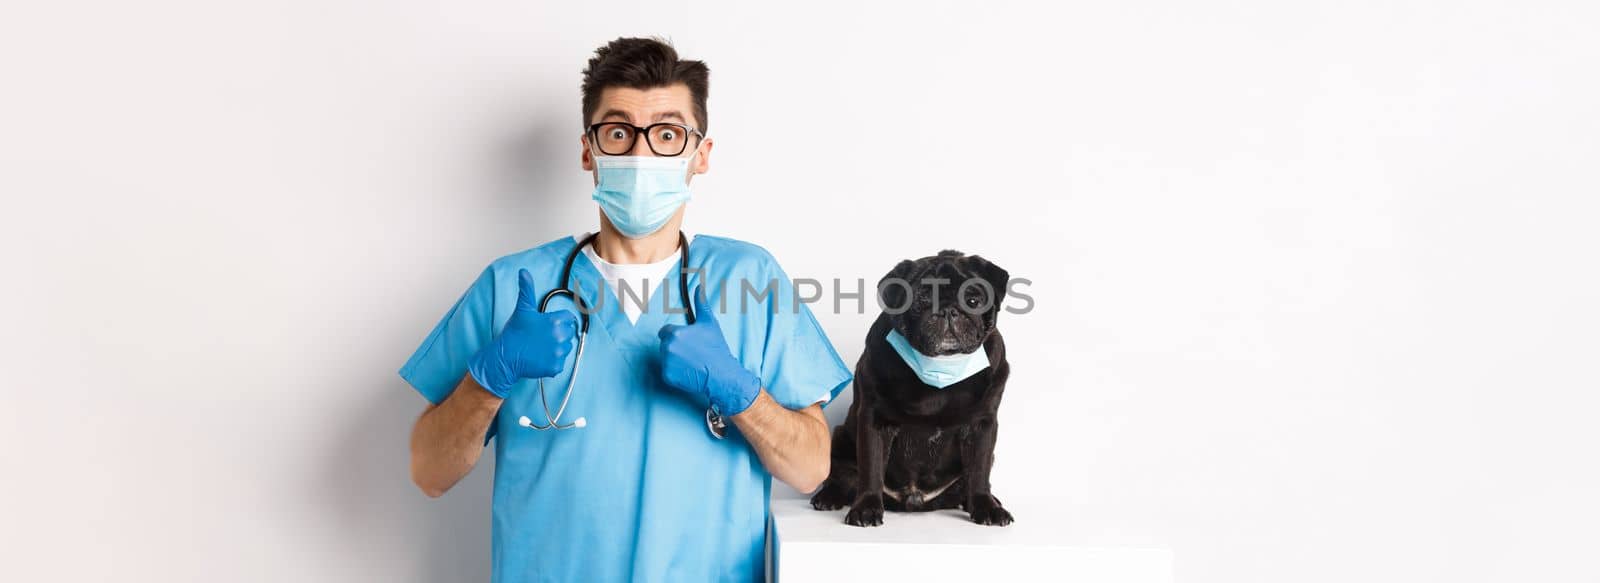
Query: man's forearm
x=448 y=438
x=793 y=445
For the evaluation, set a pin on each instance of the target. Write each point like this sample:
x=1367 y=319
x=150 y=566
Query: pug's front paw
x=830 y=497
x=986 y=509
x=867 y=511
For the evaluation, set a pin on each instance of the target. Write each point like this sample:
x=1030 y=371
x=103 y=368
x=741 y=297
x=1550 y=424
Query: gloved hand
x=532 y=345
x=696 y=359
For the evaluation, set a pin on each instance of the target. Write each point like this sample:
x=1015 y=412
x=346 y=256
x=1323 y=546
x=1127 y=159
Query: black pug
x=909 y=446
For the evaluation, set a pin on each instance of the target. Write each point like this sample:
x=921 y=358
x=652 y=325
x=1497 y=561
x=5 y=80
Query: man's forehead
x=645 y=105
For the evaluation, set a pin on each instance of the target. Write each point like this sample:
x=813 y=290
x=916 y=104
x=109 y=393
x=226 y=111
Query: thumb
x=703 y=311
x=527 y=298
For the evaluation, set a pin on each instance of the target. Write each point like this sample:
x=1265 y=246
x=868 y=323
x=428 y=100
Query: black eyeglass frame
x=594 y=136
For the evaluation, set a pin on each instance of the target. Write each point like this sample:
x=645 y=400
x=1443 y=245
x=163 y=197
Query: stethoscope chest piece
x=715 y=423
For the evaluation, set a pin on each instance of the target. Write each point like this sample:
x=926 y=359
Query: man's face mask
x=639 y=194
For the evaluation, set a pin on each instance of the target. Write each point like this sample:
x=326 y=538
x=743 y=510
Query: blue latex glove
x=533 y=345
x=696 y=359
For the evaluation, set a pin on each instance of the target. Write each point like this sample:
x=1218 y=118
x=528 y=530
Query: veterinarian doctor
x=644 y=490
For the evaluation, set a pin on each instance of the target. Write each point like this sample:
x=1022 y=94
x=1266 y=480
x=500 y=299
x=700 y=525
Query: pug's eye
x=974 y=300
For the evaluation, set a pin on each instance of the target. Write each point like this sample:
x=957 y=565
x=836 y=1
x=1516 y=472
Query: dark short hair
x=643 y=63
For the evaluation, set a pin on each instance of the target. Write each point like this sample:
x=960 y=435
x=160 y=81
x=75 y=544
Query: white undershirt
x=640 y=278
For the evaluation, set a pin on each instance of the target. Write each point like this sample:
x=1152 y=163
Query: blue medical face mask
x=938 y=371
x=640 y=193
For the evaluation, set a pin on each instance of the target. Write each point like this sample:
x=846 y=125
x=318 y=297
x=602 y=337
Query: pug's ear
x=893 y=295
x=997 y=277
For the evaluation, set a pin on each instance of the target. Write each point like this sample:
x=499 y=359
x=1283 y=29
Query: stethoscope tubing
x=554 y=421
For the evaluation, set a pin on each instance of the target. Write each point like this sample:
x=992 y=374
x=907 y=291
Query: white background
x=1315 y=283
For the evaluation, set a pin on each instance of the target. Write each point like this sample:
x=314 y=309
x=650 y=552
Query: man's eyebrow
x=617 y=113
x=669 y=114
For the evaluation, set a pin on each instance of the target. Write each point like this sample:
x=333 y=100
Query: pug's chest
x=925 y=406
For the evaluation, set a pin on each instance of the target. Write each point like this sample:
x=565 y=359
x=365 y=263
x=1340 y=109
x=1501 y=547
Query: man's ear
x=702 y=163
x=588 y=156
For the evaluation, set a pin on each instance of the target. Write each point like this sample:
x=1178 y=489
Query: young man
x=659 y=466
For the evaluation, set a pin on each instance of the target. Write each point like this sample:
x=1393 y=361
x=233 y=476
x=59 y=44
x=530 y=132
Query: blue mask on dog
x=938 y=371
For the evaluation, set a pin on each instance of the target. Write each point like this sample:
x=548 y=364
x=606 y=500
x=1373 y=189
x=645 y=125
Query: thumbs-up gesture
x=533 y=344
x=695 y=359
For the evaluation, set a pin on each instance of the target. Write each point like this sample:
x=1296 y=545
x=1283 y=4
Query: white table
x=931 y=547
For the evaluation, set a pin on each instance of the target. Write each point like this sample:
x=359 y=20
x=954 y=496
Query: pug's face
x=944 y=304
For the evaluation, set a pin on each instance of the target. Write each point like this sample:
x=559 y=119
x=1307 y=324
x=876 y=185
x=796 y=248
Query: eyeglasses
x=615 y=138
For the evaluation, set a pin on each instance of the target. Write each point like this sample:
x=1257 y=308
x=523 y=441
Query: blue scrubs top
x=644 y=492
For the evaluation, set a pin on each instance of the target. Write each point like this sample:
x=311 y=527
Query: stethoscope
x=714 y=420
